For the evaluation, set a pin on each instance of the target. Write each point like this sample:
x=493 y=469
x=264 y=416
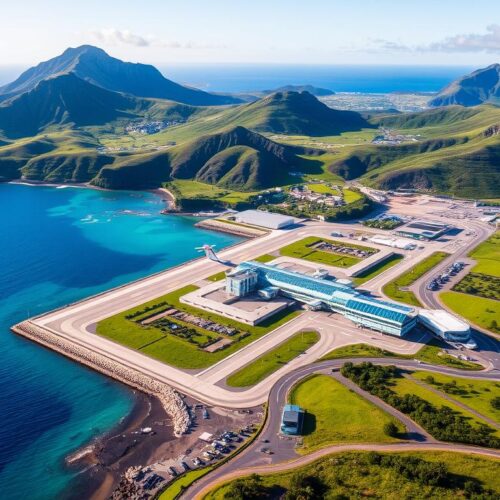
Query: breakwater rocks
x=170 y=399
x=232 y=228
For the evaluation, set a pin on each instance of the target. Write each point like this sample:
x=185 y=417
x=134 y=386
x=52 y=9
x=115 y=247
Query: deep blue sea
x=345 y=78
x=58 y=246
x=340 y=78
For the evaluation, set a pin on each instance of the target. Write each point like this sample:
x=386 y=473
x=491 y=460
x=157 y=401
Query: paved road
x=284 y=456
x=75 y=323
x=488 y=347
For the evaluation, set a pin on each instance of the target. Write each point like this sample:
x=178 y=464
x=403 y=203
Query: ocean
x=58 y=246
x=339 y=78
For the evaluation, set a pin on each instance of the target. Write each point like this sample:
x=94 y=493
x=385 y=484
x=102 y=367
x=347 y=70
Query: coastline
x=103 y=461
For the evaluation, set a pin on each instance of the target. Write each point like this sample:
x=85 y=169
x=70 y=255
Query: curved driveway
x=284 y=457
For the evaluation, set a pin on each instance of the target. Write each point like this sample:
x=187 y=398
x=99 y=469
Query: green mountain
x=62 y=100
x=295 y=113
x=315 y=91
x=98 y=68
x=236 y=159
x=459 y=155
x=68 y=101
x=480 y=86
x=289 y=113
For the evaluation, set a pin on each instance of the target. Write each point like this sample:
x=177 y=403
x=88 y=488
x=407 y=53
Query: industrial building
x=422 y=230
x=319 y=293
x=292 y=419
x=263 y=219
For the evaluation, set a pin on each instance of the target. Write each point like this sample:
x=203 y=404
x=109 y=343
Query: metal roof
x=330 y=292
x=380 y=309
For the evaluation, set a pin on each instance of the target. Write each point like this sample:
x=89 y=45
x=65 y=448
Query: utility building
x=264 y=219
x=292 y=419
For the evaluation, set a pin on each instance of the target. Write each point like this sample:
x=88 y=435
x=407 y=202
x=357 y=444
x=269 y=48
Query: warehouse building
x=319 y=293
x=422 y=230
x=264 y=219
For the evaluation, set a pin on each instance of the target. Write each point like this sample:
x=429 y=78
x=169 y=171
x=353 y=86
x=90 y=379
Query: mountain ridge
x=480 y=86
x=97 y=67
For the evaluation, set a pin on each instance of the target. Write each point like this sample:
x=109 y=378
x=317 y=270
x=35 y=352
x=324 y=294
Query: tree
x=247 y=489
x=495 y=403
x=391 y=429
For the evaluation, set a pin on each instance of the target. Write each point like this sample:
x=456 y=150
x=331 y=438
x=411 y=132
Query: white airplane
x=209 y=252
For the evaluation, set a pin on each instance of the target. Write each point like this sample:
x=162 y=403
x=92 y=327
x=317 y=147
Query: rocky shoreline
x=170 y=399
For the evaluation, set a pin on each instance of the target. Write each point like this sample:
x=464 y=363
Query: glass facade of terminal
x=380 y=315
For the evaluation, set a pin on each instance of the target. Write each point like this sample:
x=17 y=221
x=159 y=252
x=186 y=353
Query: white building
x=445 y=325
x=264 y=219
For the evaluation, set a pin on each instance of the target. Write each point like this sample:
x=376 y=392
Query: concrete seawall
x=226 y=227
x=170 y=399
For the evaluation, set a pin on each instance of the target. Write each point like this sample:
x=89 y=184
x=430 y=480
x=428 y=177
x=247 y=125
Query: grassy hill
x=460 y=157
x=290 y=113
x=68 y=101
x=236 y=159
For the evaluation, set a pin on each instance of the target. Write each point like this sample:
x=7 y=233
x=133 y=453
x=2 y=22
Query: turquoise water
x=57 y=246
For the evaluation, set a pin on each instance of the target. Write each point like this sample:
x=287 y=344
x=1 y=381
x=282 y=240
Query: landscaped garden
x=185 y=345
x=328 y=252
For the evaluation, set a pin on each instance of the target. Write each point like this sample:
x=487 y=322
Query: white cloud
x=472 y=42
x=488 y=42
x=113 y=36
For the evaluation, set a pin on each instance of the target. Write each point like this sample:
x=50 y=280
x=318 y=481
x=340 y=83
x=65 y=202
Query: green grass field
x=487 y=255
x=480 y=311
x=358 y=351
x=404 y=386
x=395 y=289
x=273 y=360
x=355 y=475
x=476 y=297
x=351 y=196
x=173 y=350
x=302 y=250
x=323 y=189
x=377 y=269
x=194 y=190
x=337 y=415
x=430 y=353
x=477 y=394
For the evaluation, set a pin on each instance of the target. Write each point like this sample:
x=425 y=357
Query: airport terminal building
x=319 y=293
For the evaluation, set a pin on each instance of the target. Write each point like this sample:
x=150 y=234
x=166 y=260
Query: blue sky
x=445 y=32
